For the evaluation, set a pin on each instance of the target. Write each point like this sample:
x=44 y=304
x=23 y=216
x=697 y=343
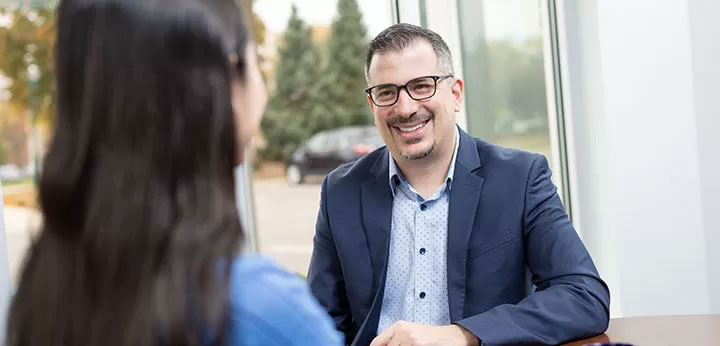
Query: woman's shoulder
x=260 y=267
x=271 y=306
x=256 y=277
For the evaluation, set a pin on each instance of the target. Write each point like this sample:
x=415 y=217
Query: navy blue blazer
x=517 y=271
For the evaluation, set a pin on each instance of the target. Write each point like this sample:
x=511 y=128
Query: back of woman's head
x=140 y=222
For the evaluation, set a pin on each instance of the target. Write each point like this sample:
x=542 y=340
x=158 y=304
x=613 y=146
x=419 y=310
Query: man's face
x=414 y=129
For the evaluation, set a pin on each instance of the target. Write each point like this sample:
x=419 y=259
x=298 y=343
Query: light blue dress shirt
x=416 y=283
x=270 y=306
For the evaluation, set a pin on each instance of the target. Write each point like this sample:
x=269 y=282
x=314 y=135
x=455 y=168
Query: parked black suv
x=327 y=150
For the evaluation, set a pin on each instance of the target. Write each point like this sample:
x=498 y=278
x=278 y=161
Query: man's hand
x=415 y=334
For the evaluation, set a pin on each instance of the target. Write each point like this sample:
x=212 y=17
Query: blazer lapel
x=376 y=204
x=464 y=198
x=377 y=216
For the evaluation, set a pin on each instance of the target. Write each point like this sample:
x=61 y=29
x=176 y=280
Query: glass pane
x=502 y=53
x=313 y=63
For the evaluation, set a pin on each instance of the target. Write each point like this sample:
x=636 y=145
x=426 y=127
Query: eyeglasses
x=422 y=88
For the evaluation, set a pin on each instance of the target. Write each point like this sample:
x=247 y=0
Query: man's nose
x=405 y=105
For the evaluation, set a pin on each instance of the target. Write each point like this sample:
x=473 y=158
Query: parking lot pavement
x=285 y=216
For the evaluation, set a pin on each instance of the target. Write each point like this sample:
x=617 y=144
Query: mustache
x=399 y=120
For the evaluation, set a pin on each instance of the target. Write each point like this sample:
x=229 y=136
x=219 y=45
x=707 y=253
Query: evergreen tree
x=344 y=80
x=293 y=107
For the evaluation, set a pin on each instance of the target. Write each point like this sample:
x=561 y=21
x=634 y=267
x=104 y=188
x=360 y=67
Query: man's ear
x=457 y=90
x=372 y=105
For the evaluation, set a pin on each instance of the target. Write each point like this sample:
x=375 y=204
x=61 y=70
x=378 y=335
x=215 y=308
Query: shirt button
x=423 y=207
x=422 y=251
x=422 y=295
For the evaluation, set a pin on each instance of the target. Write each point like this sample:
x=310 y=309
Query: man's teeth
x=411 y=129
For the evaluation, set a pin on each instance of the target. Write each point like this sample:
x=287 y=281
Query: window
x=300 y=54
x=503 y=65
x=506 y=54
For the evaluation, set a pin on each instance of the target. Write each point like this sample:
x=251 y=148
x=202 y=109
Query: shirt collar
x=396 y=174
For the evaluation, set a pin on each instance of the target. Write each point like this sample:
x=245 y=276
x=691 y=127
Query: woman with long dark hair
x=141 y=234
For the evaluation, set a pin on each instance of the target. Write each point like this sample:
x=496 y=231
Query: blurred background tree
x=516 y=101
x=318 y=85
x=4 y=151
x=27 y=52
x=294 y=108
x=344 y=80
x=256 y=25
x=26 y=47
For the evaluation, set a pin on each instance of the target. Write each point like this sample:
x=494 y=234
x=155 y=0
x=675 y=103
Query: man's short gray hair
x=400 y=36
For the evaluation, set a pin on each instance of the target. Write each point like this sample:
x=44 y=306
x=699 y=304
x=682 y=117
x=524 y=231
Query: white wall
x=639 y=83
x=705 y=43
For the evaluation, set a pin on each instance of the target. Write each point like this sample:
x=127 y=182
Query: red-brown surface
x=696 y=330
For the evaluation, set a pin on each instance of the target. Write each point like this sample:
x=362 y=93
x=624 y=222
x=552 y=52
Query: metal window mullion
x=556 y=108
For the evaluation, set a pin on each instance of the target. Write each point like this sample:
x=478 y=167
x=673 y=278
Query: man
x=444 y=239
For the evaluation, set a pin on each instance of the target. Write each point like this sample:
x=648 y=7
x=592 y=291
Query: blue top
x=273 y=307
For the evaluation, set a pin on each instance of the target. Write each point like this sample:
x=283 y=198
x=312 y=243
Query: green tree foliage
x=257 y=25
x=511 y=86
x=4 y=151
x=4 y=118
x=317 y=88
x=519 y=86
x=344 y=80
x=26 y=53
x=259 y=30
x=294 y=107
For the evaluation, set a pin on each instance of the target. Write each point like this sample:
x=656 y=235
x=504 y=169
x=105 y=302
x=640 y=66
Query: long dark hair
x=137 y=192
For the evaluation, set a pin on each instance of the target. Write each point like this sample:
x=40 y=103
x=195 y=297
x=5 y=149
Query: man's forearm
x=554 y=315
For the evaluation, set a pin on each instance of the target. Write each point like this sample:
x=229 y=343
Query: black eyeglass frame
x=399 y=88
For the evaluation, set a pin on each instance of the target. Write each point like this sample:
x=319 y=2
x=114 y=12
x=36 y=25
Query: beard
x=419 y=155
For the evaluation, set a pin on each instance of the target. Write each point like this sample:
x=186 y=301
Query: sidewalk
x=20 y=225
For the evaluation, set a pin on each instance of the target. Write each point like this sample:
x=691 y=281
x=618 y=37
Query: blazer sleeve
x=325 y=273
x=570 y=301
